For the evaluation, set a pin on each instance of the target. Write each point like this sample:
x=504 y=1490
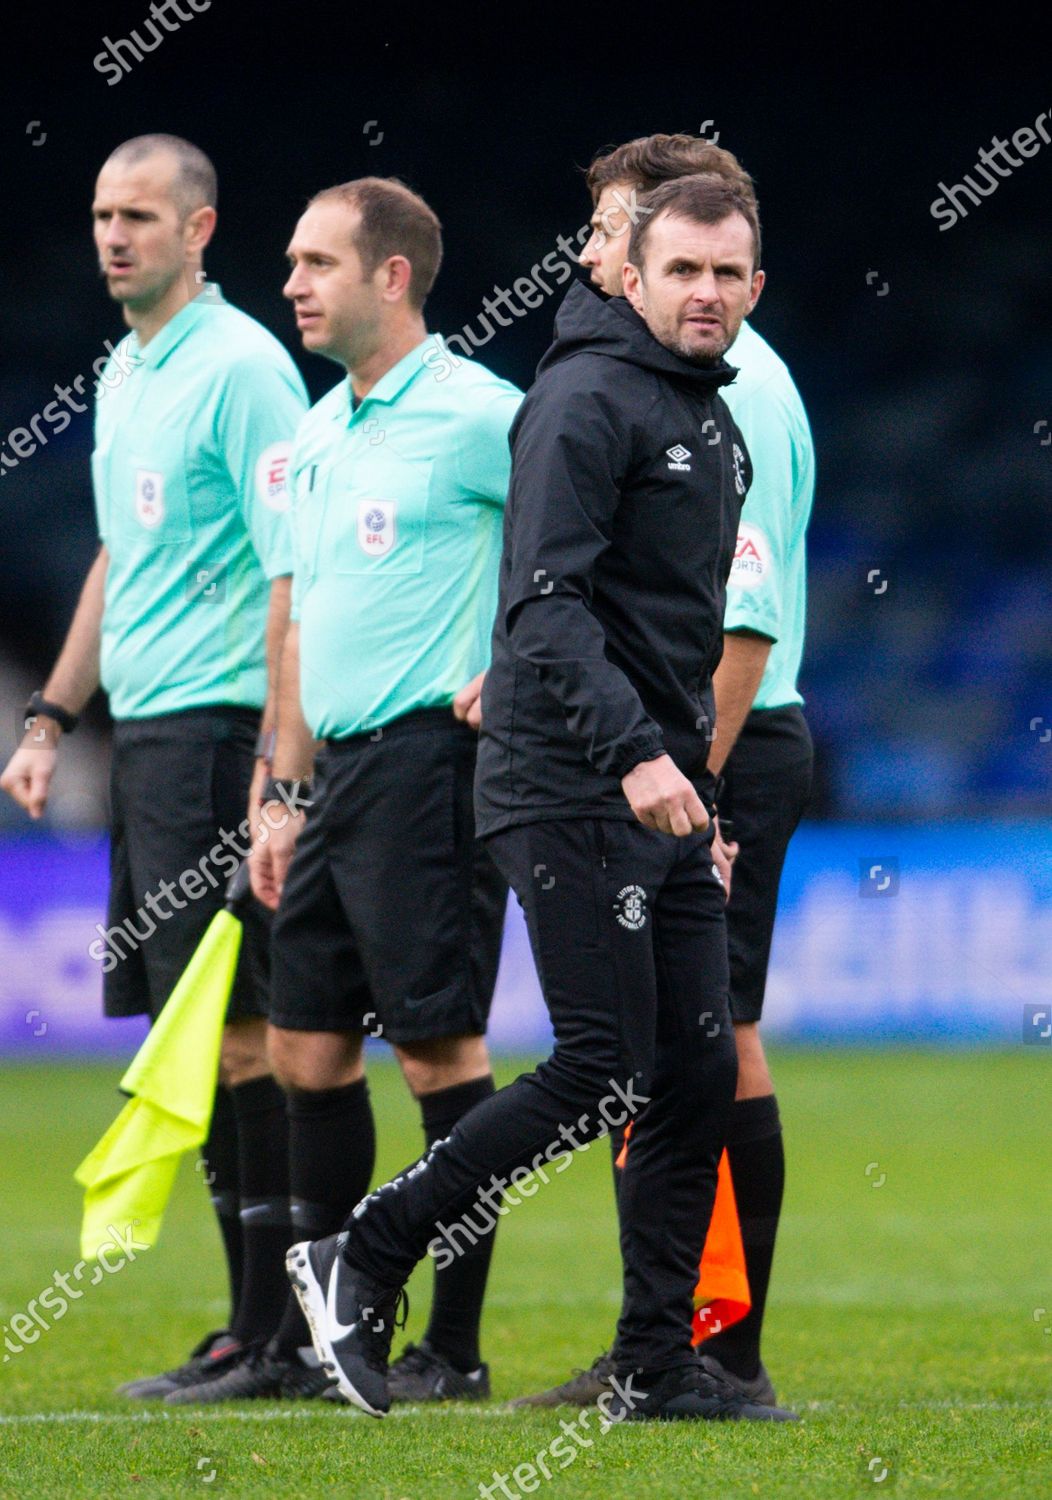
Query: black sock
x=219 y=1153
x=757 y=1162
x=263 y=1162
x=332 y=1152
x=456 y=1306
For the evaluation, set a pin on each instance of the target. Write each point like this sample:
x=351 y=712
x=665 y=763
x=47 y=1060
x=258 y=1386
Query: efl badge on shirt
x=376 y=527
x=272 y=468
x=149 y=497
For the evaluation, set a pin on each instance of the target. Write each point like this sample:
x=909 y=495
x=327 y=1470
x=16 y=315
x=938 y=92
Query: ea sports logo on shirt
x=272 y=476
x=752 y=558
x=376 y=527
x=630 y=907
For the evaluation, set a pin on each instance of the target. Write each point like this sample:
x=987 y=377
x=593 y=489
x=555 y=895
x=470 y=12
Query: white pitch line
x=332 y=1411
x=452 y=1409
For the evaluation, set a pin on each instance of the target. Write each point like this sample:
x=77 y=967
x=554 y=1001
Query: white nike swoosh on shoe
x=312 y=1299
x=336 y=1329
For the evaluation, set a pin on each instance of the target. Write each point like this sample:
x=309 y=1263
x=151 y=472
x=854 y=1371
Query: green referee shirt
x=397 y=513
x=767 y=588
x=192 y=437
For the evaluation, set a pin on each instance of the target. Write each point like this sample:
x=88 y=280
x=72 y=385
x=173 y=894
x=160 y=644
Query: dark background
x=923 y=400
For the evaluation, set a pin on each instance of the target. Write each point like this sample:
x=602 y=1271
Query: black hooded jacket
x=628 y=476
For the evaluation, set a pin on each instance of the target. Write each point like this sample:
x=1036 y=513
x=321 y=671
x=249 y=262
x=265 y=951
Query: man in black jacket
x=628 y=476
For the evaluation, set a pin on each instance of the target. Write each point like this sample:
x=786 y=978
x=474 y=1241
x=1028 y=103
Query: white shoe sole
x=311 y=1297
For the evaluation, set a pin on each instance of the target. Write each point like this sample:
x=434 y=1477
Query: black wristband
x=265 y=744
x=39 y=705
x=295 y=793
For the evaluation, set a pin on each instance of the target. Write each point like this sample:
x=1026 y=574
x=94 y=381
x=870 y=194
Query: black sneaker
x=351 y=1318
x=259 y=1373
x=759 y=1388
x=582 y=1389
x=685 y=1394
x=212 y=1354
x=420 y=1373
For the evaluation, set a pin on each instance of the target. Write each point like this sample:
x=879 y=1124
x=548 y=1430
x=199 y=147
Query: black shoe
x=687 y=1393
x=351 y=1318
x=212 y=1354
x=259 y=1373
x=420 y=1373
x=759 y=1388
x=582 y=1389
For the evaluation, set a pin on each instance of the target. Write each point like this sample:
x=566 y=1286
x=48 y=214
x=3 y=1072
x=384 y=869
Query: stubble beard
x=705 y=358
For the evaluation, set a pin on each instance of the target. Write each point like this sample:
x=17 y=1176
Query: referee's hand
x=273 y=845
x=27 y=777
x=661 y=797
x=467 y=705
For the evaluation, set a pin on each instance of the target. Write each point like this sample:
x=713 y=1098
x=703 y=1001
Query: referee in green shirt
x=194 y=414
x=390 y=915
x=762 y=746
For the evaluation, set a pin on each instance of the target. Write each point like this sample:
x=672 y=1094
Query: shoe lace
x=714 y=1388
x=601 y=1366
x=250 y=1353
x=415 y=1360
x=200 y=1366
x=377 y=1325
x=250 y=1361
x=201 y=1350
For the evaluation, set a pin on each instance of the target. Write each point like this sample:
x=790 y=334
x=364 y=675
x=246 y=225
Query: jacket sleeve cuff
x=633 y=752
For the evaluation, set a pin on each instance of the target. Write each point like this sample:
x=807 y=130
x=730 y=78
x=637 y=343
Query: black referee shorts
x=176 y=781
x=392 y=914
x=767 y=782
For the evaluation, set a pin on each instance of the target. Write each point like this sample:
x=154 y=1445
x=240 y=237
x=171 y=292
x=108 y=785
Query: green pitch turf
x=910 y=1325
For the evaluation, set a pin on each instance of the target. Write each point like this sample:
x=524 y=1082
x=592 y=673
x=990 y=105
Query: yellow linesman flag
x=128 y=1176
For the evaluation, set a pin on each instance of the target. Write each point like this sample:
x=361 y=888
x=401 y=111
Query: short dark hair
x=650 y=160
x=394 y=221
x=702 y=199
x=195 y=184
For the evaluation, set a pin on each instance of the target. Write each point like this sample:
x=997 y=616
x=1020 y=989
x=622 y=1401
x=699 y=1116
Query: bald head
x=192 y=178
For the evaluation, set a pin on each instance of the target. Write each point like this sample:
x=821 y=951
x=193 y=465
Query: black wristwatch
x=295 y=793
x=265 y=742
x=39 y=705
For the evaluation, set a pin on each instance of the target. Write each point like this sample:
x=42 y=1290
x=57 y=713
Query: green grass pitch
x=910 y=1321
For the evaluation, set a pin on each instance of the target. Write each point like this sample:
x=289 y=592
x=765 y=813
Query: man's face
x=604 y=254
x=142 y=241
x=338 y=310
x=696 y=284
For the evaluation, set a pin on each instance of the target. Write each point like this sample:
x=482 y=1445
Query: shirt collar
x=176 y=329
x=390 y=386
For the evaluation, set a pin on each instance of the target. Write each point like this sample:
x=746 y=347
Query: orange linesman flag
x=721 y=1296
